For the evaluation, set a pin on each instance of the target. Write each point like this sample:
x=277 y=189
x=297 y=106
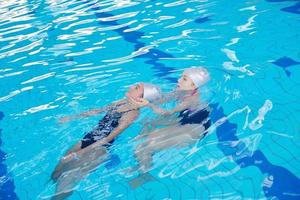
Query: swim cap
x=151 y=92
x=199 y=75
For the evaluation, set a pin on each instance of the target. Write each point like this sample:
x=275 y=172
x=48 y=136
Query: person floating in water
x=91 y=151
x=191 y=124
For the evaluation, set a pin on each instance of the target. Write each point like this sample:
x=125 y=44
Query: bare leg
x=151 y=126
x=174 y=136
x=77 y=170
x=161 y=139
x=74 y=148
x=59 y=167
x=66 y=183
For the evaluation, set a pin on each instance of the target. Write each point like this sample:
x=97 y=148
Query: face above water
x=136 y=91
x=185 y=83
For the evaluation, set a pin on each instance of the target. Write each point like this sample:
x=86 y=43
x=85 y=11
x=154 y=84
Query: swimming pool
x=63 y=57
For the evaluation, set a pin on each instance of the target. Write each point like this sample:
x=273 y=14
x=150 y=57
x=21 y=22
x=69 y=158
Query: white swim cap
x=199 y=75
x=151 y=92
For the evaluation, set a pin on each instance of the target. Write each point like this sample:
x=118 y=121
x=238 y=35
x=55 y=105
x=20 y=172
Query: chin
x=181 y=89
x=178 y=87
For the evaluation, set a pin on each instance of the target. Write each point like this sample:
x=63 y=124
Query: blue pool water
x=59 y=58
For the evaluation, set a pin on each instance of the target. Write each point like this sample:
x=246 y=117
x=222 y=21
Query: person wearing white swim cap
x=91 y=150
x=146 y=91
x=151 y=92
x=192 y=78
x=186 y=92
x=191 y=122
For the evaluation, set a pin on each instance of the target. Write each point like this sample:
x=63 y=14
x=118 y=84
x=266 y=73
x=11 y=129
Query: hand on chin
x=139 y=102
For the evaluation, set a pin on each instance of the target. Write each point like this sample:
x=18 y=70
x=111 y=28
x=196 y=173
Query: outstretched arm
x=188 y=102
x=90 y=112
x=178 y=108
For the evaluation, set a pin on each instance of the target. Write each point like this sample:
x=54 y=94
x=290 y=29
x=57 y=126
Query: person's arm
x=182 y=106
x=90 y=112
x=158 y=110
x=166 y=98
x=143 y=102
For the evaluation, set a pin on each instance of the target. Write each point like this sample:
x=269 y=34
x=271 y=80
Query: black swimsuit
x=195 y=117
x=105 y=126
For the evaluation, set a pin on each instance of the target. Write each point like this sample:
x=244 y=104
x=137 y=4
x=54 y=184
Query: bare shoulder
x=119 y=102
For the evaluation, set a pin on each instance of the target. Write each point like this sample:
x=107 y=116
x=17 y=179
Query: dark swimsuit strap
x=123 y=112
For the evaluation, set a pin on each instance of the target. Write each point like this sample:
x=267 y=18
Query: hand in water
x=140 y=102
x=64 y=120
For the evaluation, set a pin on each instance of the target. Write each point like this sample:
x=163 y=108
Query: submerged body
x=91 y=151
x=200 y=116
x=105 y=126
x=191 y=124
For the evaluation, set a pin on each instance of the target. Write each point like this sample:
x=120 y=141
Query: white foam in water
x=248 y=8
x=231 y=55
x=39 y=108
x=184 y=166
x=258 y=121
x=243 y=69
x=219 y=174
x=247 y=118
x=38 y=78
x=233 y=41
x=248 y=146
x=181 y=23
x=218 y=123
x=14 y=93
x=280 y=134
x=248 y=25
